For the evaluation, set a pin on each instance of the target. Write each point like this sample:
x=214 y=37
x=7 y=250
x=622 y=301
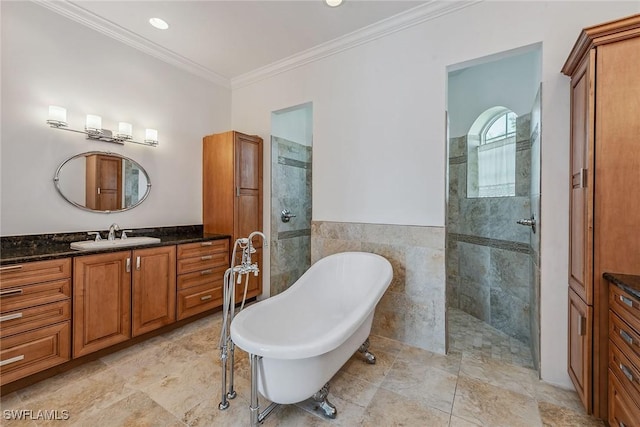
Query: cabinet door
x=101 y=301
x=581 y=186
x=249 y=199
x=154 y=288
x=580 y=344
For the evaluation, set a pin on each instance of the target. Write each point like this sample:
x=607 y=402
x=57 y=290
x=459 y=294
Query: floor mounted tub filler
x=298 y=340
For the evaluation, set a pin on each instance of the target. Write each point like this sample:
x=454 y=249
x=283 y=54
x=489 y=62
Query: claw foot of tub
x=368 y=356
x=327 y=407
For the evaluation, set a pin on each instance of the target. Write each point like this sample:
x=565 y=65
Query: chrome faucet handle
x=112 y=231
x=98 y=237
x=124 y=234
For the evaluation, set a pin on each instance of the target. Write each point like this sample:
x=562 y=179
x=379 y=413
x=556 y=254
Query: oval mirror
x=100 y=181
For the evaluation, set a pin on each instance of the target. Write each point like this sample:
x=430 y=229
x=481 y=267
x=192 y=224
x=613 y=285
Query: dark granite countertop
x=628 y=282
x=19 y=249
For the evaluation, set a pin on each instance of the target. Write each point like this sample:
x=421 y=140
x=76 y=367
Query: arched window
x=492 y=154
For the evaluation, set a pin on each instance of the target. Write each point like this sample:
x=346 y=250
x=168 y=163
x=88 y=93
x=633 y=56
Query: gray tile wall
x=290 y=189
x=413 y=308
x=488 y=256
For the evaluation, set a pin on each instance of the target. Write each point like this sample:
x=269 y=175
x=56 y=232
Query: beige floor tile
x=207 y=414
x=135 y=410
x=413 y=355
x=352 y=389
x=422 y=384
x=391 y=409
x=374 y=374
x=557 y=416
x=151 y=364
x=83 y=397
x=488 y=405
x=186 y=386
x=13 y=412
x=500 y=374
x=53 y=384
x=561 y=397
x=459 y=422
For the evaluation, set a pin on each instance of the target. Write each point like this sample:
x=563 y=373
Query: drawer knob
x=206 y=297
x=10 y=292
x=10 y=317
x=12 y=360
x=10 y=268
x=206 y=243
x=626 y=301
x=627 y=372
x=206 y=257
x=205 y=272
x=625 y=336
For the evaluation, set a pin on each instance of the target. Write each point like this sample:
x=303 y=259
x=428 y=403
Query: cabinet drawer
x=625 y=306
x=622 y=411
x=204 y=262
x=626 y=338
x=34 y=317
x=30 y=352
x=202 y=277
x=41 y=293
x=626 y=372
x=198 y=299
x=189 y=250
x=34 y=272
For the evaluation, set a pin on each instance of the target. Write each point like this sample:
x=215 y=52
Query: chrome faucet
x=112 y=231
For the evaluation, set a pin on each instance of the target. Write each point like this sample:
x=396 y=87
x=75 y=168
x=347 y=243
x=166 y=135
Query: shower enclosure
x=492 y=253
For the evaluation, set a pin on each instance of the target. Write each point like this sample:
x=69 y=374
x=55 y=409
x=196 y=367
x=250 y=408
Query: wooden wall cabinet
x=604 y=188
x=35 y=317
x=232 y=191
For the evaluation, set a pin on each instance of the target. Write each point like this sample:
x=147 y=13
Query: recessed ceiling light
x=159 y=23
x=333 y=3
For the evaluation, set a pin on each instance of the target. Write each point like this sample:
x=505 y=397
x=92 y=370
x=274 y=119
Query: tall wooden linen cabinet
x=604 y=226
x=232 y=192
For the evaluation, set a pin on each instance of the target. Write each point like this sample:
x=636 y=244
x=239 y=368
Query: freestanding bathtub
x=302 y=337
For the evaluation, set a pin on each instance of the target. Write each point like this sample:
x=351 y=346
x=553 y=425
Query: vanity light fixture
x=93 y=128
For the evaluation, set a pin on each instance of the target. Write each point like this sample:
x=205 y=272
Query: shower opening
x=493 y=168
x=291 y=160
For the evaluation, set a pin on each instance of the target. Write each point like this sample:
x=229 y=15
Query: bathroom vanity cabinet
x=604 y=188
x=72 y=307
x=232 y=192
x=121 y=295
x=35 y=305
x=624 y=350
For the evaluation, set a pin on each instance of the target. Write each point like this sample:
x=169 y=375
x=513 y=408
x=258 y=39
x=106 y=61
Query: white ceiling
x=228 y=39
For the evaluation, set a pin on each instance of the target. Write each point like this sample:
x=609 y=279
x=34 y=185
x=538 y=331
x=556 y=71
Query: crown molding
x=108 y=28
x=414 y=16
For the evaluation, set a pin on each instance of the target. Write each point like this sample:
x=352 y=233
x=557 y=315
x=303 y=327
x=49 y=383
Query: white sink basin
x=92 y=245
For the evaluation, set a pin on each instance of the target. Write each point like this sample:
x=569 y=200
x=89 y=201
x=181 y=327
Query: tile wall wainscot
x=412 y=310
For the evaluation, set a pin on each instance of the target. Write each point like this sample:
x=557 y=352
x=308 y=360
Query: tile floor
x=174 y=380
